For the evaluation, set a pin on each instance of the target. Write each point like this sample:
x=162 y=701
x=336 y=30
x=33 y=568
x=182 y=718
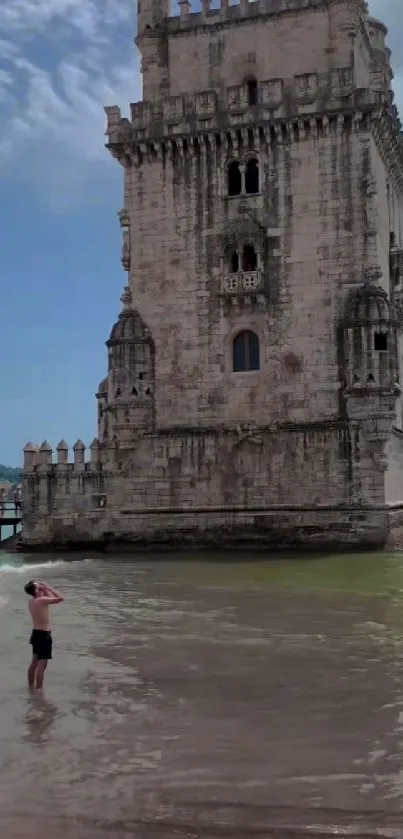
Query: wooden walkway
x=9 y=519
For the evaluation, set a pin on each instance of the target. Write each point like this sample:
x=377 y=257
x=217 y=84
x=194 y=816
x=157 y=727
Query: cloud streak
x=60 y=62
x=89 y=18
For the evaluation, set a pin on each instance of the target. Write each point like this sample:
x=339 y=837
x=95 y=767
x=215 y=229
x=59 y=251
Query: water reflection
x=39 y=719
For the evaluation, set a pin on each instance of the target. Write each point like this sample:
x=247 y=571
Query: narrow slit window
x=234 y=178
x=252 y=177
x=380 y=342
x=249 y=258
x=234 y=262
x=252 y=92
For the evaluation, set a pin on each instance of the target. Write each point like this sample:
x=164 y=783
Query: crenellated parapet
x=55 y=483
x=44 y=459
x=228 y=13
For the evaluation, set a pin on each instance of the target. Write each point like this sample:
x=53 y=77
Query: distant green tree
x=11 y=474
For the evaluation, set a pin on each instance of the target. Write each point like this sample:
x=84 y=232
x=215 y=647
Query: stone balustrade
x=242 y=282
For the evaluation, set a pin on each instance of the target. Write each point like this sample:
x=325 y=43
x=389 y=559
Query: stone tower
x=253 y=378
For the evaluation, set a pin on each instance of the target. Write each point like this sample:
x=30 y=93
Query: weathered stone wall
x=273 y=45
x=384 y=206
x=384 y=216
x=311 y=205
x=394 y=473
x=322 y=529
x=318 y=206
x=362 y=59
x=286 y=486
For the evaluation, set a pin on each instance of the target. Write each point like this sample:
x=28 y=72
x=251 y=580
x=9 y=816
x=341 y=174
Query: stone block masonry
x=253 y=388
x=263 y=487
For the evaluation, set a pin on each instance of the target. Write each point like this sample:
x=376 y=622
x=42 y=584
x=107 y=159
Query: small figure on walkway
x=17 y=501
x=3 y=499
x=42 y=596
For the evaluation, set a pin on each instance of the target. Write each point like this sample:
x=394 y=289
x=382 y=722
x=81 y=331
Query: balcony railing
x=242 y=282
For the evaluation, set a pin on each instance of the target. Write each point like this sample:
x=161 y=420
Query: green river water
x=213 y=696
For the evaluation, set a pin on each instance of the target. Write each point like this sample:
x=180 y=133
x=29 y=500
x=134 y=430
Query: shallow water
x=185 y=697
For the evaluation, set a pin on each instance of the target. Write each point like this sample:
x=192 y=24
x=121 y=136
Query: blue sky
x=61 y=61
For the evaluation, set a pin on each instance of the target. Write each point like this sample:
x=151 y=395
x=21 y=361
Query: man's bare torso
x=39 y=614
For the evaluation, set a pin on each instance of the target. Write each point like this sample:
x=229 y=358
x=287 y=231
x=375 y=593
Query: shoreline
x=238 y=821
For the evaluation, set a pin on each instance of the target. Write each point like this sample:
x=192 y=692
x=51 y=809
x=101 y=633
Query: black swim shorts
x=41 y=642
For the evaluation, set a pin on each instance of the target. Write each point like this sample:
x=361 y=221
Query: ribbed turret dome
x=369 y=305
x=103 y=387
x=129 y=325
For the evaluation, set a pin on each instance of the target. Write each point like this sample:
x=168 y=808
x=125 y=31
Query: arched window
x=234 y=262
x=252 y=176
x=234 y=178
x=245 y=352
x=249 y=258
x=252 y=92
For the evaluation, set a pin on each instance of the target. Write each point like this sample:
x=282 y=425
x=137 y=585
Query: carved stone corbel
x=249 y=434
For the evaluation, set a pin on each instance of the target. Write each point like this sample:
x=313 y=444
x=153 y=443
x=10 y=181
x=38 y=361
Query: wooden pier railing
x=10 y=516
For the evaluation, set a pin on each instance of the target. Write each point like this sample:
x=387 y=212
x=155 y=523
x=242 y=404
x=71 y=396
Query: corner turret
x=126 y=396
x=152 y=43
x=370 y=341
x=370 y=369
x=151 y=15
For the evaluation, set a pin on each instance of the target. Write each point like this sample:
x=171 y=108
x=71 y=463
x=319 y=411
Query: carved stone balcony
x=242 y=283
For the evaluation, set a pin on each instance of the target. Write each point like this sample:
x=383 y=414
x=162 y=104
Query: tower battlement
x=226 y=12
x=42 y=458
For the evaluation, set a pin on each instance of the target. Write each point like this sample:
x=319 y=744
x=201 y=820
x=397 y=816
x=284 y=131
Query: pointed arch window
x=234 y=178
x=245 y=352
x=249 y=258
x=234 y=262
x=252 y=176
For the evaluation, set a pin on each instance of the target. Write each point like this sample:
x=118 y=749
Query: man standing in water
x=42 y=596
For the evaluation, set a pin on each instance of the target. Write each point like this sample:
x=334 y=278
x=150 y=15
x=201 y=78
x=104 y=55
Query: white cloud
x=61 y=61
x=87 y=17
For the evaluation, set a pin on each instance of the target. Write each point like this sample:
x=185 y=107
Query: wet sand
x=206 y=699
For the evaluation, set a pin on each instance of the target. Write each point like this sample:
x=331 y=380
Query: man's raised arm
x=49 y=595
